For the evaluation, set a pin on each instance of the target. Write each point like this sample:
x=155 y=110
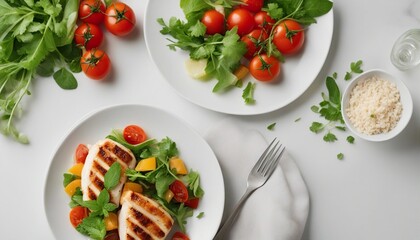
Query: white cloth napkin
x=276 y=211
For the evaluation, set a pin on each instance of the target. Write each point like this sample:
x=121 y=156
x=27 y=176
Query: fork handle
x=228 y=223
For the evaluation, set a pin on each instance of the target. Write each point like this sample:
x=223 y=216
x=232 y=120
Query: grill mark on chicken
x=119 y=152
x=99 y=168
x=152 y=210
x=91 y=194
x=130 y=237
x=151 y=226
x=98 y=183
x=138 y=231
x=104 y=155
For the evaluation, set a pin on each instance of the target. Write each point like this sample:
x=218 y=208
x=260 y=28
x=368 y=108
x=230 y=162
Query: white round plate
x=298 y=72
x=158 y=124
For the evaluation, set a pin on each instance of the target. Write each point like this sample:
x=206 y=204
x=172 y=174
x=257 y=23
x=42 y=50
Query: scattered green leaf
x=248 y=93
x=350 y=139
x=340 y=156
x=200 y=215
x=271 y=126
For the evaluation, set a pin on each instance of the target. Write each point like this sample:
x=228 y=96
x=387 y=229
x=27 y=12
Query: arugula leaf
x=162 y=184
x=92 y=226
x=316 y=127
x=117 y=135
x=112 y=176
x=193 y=181
x=65 y=79
x=271 y=126
x=248 y=93
x=198 y=29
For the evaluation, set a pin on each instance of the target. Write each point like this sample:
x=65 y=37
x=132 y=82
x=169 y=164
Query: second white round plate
x=298 y=72
x=158 y=124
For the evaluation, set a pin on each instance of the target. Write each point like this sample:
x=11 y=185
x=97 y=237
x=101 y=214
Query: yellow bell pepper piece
x=111 y=222
x=70 y=189
x=135 y=187
x=76 y=169
x=179 y=165
x=241 y=72
x=147 y=164
x=168 y=195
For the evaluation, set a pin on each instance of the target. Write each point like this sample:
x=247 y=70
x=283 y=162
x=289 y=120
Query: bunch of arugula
x=224 y=52
x=35 y=37
x=156 y=182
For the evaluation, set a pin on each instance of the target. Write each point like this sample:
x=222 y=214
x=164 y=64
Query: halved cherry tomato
x=253 y=5
x=192 y=203
x=120 y=19
x=92 y=11
x=241 y=18
x=179 y=190
x=264 y=21
x=77 y=214
x=81 y=153
x=95 y=64
x=289 y=37
x=88 y=35
x=264 y=68
x=254 y=41
x=134 y=134
x=180 y=236
x=214 y=21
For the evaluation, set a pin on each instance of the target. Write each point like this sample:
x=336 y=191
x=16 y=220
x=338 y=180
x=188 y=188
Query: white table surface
x=374 y=193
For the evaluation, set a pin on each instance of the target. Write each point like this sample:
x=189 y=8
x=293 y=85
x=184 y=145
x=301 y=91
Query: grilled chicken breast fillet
x=100 y=158
x=142 y=218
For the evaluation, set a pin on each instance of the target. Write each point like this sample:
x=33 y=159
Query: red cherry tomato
x=264 y=21
x=88 y=35
x=134 y=134
x=289 y=37
x=81 y=153
x=179 y=190
x=214 y=21
x=264 y=68
x=180 y=236
x=92 y=11
x=192 y=203
x=252 y=5
x=254 y=41
x=77 y=214
x=120 y=19
x=95 y=64
x=241 y=18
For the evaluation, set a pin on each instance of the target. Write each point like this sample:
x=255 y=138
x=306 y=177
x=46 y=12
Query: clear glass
x=405 y=53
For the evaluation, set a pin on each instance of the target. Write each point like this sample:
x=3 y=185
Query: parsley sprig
x=330 y=109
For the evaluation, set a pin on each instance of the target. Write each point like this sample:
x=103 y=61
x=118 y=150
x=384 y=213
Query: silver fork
x=258 y=176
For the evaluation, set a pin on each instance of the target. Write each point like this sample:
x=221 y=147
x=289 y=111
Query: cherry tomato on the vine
x=214 y=22
x=241 y=18
x=120 y=19
x=92 y=11
x=95 y=64
x=254 y=41
x=264 y=21
x=180 y=236
x=179 y=190
x=134 y=134
x=253 y=5
x=81 y=153
x=289 y=37
x=264 y=68
x=88 y=35
x=77 y=214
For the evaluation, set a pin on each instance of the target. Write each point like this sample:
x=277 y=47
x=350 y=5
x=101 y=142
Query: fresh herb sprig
x=355 y=68
x=330 y=109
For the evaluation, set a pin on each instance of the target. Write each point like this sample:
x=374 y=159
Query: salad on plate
x=129 y=186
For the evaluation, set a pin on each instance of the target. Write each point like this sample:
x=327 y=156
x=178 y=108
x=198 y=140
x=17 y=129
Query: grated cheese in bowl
x=376 y=106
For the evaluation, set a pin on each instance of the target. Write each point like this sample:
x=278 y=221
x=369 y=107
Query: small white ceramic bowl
x=405 y=98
